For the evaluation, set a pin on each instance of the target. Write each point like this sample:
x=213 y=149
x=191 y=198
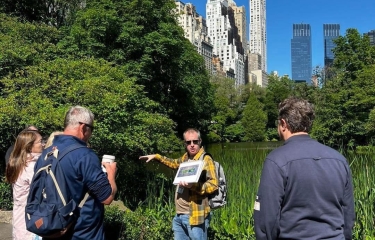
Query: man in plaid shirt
x=193 y=216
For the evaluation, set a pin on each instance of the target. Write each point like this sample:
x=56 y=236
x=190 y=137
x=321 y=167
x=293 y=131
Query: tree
x=126 y=121
x=277 y=90
x=24 y=44
x=52 y=12
x=254 y=120
x=144 y=37
x=347 y=99
x=224 y=98
x=352 y=53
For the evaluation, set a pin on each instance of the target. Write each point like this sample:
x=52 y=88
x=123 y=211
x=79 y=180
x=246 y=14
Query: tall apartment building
x=330 y=33
x=258 y=34
x=301 y=53
x=371 y=34
x=225 y=38
x=239 y=14
x=195 y=29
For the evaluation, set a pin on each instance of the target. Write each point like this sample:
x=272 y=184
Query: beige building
x=258 y=34
x=195 y=29
x=240 y=23
x=256 y=74
x=259 y=77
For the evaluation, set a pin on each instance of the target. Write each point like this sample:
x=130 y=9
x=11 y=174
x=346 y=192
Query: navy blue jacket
x=305 y=192
x=83 y=173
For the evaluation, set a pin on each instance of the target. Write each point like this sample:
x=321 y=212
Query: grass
x=243 y=168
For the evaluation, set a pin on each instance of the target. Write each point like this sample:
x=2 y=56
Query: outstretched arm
x=147 y=157
x=172 y=163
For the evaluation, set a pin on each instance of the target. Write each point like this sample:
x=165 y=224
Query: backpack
x=219 y=197
x=50 y=209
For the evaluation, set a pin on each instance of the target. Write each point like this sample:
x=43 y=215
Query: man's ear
x=283 y=124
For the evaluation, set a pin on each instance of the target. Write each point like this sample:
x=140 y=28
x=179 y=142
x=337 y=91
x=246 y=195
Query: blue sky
x=281 y=14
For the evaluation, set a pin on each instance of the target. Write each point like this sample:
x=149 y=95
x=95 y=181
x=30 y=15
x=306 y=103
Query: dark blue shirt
x=305 y=192
x=83 y=173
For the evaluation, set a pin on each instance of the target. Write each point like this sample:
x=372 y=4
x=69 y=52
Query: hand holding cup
x=107 y=160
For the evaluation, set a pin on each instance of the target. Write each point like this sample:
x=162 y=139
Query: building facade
x=223 y=32
x=258 y=34
x=301 y=53
x=195 y=30
x=371 y=35
x=330 y=33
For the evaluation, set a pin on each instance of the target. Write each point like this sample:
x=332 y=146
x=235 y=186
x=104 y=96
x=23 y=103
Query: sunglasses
x=196 y=142
x=88 y=125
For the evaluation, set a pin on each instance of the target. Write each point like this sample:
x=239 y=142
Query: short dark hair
x=297 y=113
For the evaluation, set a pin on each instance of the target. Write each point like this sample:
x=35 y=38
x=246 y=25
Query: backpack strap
x=202 y=159
x=67 y=150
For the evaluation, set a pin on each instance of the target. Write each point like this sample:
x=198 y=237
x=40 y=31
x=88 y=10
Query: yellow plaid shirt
x=198 y=193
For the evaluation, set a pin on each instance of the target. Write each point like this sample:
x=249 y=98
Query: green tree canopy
x=144 y=37
x=126 y=120
x=254 y=120
x=347 y=99
x=24 y=44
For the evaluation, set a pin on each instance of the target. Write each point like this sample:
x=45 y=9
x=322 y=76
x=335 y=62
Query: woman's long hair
x=18 y=158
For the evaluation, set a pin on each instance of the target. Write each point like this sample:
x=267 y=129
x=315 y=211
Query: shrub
x=150 y=224
x=6 y=200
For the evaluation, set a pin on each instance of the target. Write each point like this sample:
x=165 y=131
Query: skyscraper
x=195 y=29
x=301 y=53
x=330 y=33
x=225 y=38
x=371 y=35
x=258 y=34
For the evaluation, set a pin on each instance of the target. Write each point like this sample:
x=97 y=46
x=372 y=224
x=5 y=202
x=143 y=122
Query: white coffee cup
x=108 y=159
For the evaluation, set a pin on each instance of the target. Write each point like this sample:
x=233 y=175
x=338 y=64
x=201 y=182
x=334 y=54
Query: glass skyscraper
x=330 y=32
x=371 y=35
x=301 y=53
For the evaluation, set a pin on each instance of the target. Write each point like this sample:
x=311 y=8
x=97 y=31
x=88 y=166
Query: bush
x=150 y=224
x=6 y=200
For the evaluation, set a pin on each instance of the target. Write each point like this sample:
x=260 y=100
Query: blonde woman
x=51 y=137
x=19 y=172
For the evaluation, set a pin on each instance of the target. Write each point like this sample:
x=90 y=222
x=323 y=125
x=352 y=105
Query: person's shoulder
x=207 y=156
x=331 y=152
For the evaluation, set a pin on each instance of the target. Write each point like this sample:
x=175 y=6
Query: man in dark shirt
x=83 y=173
x=305 y=189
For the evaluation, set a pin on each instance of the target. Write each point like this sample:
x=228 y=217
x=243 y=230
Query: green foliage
x=277 y=90
x=272 y=134
x=124 y=116
x=145 y=38
x=126 y=123
x=353 y=52
x=234 y=132
x=24 y=44
x=229 y=103
x=141 y=224
x=345 y=102
x=6 y=199
x=254 y=120
x=50 y=12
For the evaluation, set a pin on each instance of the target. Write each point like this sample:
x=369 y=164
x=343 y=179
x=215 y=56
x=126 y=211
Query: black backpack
x=50 y=210
x=219 y=197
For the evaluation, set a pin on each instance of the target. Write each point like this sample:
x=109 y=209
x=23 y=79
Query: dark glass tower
x=301 y=53
x=371 y=35
x=330 y=32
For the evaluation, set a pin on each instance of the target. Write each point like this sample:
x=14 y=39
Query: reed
x=243 y=168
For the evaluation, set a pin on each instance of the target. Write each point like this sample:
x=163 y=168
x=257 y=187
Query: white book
x=189 y=172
